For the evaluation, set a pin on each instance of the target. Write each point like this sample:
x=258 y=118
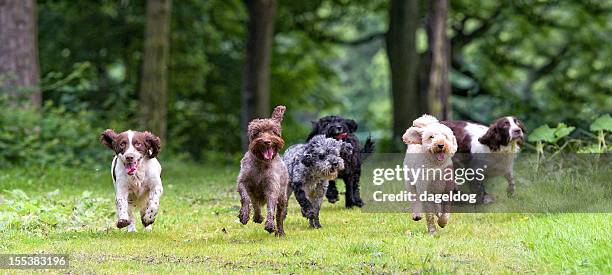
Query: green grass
x=197 y=231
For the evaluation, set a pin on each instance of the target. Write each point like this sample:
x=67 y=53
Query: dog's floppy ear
x=491 y=138
x=352 y=125
x=153 y=144
x=412 y=135
x=108 y=138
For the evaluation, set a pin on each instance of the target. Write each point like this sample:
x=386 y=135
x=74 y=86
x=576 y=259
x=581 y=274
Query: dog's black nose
x=441 y=146
x=129 y=158
x=267 y=142
x=339 y=128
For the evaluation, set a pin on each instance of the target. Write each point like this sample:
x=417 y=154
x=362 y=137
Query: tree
x=403 y=61
x=154 y=81
x=19 y=68
x=255 y=93
x=439 y=89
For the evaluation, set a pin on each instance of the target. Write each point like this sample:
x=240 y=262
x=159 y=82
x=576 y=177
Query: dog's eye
x=431 y=137
x=122 y=144
x=321 y=157
x=137 y=144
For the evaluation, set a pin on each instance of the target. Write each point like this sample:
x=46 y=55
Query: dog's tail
x=279 y=112
x=368 y=148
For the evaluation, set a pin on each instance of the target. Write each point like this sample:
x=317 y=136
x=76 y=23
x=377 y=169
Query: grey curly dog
x=311 y=166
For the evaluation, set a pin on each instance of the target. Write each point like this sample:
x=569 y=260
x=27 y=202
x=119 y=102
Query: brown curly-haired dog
x=263 y=175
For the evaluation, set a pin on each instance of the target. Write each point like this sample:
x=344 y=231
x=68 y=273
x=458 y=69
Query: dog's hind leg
x=257 y=217
x=511 y=186
x=272 y=203
x=431 y=226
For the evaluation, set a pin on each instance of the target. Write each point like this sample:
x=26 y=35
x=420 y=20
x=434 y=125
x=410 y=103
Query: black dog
x=343 y=129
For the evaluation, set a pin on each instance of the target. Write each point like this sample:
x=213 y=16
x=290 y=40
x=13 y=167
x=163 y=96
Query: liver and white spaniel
x=136 y=175
x=493 y=147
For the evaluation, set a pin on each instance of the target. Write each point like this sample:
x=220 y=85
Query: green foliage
x=603 y=123
x=550 y=135
x=541 y=61
x=48 y=136
x=41 y=214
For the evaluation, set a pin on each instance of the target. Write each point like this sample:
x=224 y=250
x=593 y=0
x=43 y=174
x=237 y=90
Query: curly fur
x=344 y=129
x=430 y=145
x=311 y=166
x=263 y=175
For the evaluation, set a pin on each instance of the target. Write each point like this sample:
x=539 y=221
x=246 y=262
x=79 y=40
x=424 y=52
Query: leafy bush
x=41 y=213
x=550 y=139
x=51 y=135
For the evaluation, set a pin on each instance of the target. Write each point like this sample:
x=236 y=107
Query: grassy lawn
x=197 y=230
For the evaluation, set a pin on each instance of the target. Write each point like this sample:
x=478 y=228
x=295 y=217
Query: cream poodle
x=430 y=147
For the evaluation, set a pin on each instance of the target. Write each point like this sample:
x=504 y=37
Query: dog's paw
x=269 y=227
x=510 y=191
x=443 y=219
x=279 y=233
x=258 y=218
x=359 y=203
x=121 y=223
x=243 y=216
x=308 y=213
x=488 y=199
x=147 y=221
x=416 y=217
x=314 y=223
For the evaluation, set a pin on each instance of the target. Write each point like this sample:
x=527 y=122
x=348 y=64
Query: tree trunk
x=19 y=68
x=154 y=81
x=439 y=89
x=255 y=94
x=403 y=61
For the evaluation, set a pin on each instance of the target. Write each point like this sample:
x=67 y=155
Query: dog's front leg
x=348 y=195
x=431 y=226
x=245 y=201
x=272 y=202
x=150 y=212
x=416 y=204
x=281 y=214
x=332 y=192
x=511 y=186
x=121 y=200
x=355 y=183
x=300 y=196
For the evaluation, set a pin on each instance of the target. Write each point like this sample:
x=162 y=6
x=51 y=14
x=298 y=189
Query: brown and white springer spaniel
x=136 y=175
x=493 y=147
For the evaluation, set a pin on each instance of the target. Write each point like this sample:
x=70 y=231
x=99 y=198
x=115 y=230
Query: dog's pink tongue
x=342 y=136
x=440 y=156
x=130 y=168
x=268 y=154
